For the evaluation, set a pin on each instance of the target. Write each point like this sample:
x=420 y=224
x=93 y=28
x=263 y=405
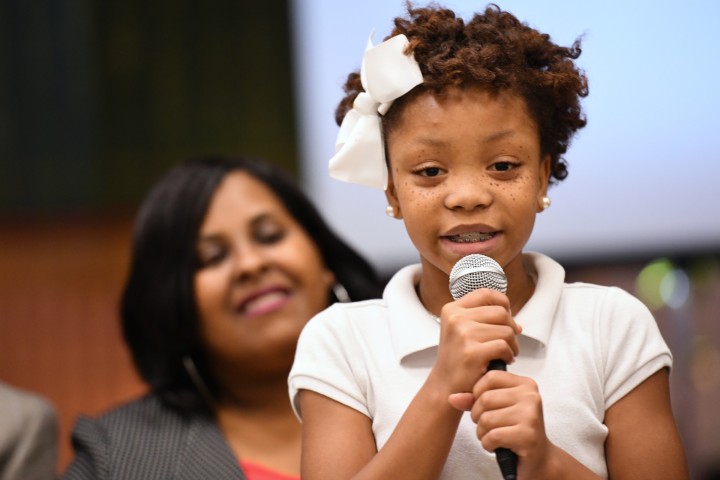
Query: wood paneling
x=60 y=282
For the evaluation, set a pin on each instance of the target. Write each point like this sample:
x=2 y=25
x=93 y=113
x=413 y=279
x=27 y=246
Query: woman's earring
x=340 y=293
x=390 y=211
x=545 y=202
x=196 y=379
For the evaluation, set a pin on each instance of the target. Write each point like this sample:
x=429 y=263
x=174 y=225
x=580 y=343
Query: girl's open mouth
x=472 y=237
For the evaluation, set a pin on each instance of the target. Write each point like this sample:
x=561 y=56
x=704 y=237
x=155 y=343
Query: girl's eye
x=503 y=166
x=430 y=172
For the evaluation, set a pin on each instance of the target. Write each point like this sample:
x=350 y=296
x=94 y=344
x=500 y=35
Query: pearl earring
x=390 y=211
x=545 y=202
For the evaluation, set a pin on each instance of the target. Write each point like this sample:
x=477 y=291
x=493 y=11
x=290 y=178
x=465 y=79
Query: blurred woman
x=230 y=260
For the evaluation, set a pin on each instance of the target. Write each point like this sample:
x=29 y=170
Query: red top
x=255 y=471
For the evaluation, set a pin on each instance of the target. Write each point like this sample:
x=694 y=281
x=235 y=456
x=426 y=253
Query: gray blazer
x=28 y=435
x=146 y=440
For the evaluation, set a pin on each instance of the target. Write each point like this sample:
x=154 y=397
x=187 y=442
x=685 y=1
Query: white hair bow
x=387 y=73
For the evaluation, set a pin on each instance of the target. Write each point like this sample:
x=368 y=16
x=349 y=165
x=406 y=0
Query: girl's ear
x=545 y=169
x=545 y=166
x=393 y=204
x=544 y=180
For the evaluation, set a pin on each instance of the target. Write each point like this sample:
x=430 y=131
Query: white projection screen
x=644 y=174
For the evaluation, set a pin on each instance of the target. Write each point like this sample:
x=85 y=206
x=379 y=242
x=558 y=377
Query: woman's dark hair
x=495 y=51
x=158 y=310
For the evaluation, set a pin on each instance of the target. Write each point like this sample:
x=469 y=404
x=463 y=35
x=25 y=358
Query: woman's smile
x=264 y=301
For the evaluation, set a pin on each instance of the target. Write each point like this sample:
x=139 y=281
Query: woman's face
x=466 y=177
x=261 y=278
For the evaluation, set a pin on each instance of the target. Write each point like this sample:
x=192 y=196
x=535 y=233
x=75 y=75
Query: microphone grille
x=476 y=271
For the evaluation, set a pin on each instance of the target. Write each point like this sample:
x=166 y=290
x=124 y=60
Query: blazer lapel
x=206 y=454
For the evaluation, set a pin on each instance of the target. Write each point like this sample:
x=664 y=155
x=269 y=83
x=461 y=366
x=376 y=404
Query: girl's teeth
x=472 y=237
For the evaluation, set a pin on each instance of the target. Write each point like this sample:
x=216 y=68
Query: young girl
x=465 y=126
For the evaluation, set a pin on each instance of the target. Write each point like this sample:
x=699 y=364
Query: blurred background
x=98 y=98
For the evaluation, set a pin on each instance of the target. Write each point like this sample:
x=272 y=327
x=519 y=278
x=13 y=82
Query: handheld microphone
x=469 y=274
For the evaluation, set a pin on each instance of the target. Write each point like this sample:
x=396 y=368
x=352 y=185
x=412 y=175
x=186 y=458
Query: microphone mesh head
x=476 y=271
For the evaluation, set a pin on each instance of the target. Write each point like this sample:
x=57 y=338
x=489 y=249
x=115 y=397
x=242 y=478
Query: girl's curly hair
x=494 y=50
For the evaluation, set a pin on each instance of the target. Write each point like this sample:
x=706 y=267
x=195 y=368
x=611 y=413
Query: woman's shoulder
x=140 y=426
x=146 y=415
x=142 y=437
x=147 y=406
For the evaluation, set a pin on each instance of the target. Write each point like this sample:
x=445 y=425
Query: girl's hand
x=507 y=409
x=474 y=330
x=508 y=412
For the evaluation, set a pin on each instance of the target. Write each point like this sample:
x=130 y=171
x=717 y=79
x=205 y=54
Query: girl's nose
x=467 y=192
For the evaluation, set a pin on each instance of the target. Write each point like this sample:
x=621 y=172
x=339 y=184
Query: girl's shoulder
x=340 y=316
x=605 y=296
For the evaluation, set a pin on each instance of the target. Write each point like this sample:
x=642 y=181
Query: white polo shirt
x=585 y=345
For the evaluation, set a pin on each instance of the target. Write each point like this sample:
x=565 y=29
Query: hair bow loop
x=387 y=73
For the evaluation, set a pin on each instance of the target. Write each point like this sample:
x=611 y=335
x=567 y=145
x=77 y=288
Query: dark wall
x=97 y=98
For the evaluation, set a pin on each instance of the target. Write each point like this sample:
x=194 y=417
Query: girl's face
x=466 y=176
x=261 y=278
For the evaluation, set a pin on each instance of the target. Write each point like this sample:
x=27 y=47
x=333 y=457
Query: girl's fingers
x=483 y=297
x=482 y=306
x=474 y=331
x=507 y=411
x=462 y=401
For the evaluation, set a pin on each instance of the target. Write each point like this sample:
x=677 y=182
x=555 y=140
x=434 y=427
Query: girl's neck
x=433 y=289
x=521 y=284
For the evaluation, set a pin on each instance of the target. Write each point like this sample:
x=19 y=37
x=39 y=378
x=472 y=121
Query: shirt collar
x=537 y=314
x=413 y=328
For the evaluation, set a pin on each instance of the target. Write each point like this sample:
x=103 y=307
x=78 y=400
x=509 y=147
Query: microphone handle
x=506 y=458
